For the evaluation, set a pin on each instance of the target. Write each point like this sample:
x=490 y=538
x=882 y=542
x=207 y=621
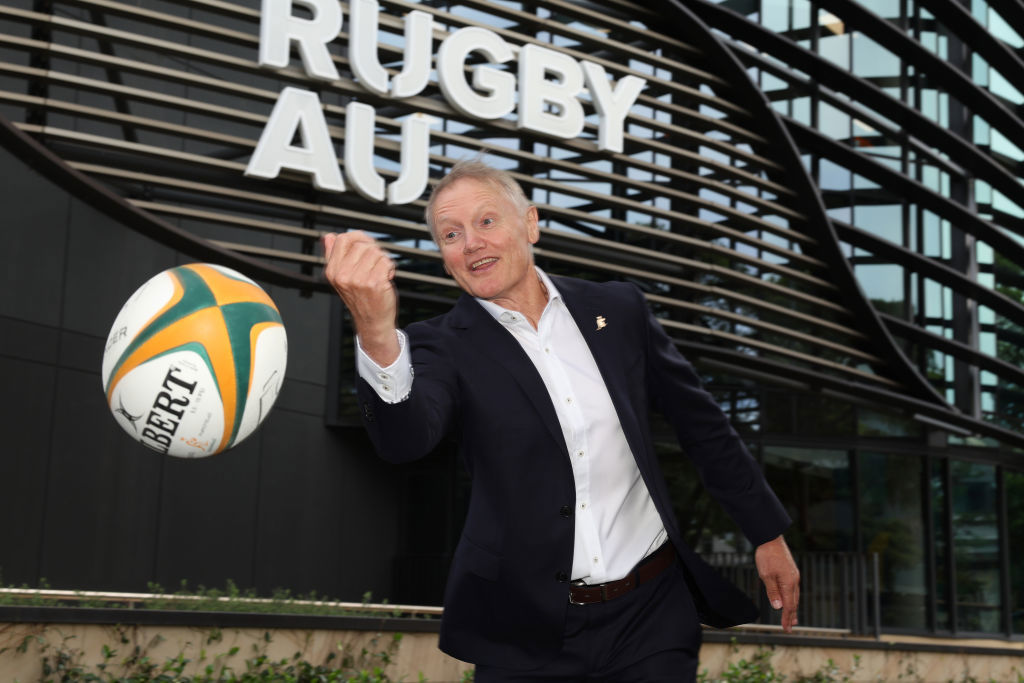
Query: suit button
x=565 y=511
x=562 y=577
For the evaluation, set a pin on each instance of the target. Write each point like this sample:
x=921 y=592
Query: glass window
x=976 y=546
x=1002 y=145
x=834 y=48
x=892 y=525
x=886 y=424
x=1008 y=410
x=775 y=15
x=939 y=503
x=881 y=282
x=1014 y=483
x=884 y=220
x=932 y=229
x=871 y=59
x=834 y=177
x=1001 y=87
x=705 y=524
x=833 y=122
x=801 y=12
x=814 y=486
x=933 y=299
x=998 y=27
x=789 y=412
x=883 y=8
x=777 y=412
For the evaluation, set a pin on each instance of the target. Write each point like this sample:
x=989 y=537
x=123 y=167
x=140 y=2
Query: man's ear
x=532 y=224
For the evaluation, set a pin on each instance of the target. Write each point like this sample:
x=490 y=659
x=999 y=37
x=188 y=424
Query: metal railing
x=837 y=590
x=177 y=601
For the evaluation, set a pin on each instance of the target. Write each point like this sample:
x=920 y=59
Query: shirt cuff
x=392 y=383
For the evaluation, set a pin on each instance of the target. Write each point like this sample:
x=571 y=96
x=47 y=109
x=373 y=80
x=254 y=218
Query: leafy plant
x=759 y=669
x=62 y=662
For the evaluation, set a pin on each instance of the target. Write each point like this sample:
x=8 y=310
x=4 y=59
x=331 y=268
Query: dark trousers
x=648 y=635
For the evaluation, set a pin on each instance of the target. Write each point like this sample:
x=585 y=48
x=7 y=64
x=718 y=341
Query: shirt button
x=386 y=387
x=569 y=400
x=583 y=506
x=384 y=375
x=565 y=511
x=595 y=560
x=547 y=349
x=579 y=454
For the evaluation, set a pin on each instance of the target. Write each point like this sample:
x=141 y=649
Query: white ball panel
x=270 y=360
x=136 y=312
x=231 y=273
x=171 y=404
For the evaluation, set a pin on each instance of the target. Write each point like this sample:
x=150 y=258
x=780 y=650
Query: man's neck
x=531 y=302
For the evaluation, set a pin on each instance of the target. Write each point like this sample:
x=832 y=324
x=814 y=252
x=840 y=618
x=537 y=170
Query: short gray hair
x=475 y=168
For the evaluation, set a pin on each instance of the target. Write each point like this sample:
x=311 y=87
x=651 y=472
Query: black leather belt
x=649 y=568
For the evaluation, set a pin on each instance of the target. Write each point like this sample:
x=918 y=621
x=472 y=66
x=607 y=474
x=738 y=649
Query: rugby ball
x=194 y=360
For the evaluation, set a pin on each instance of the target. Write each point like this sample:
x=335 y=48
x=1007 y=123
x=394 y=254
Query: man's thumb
x=328 y=242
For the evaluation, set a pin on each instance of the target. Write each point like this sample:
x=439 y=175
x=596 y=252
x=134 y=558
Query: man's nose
x=472 y=241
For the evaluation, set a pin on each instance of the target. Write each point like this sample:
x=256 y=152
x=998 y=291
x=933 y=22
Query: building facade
x=819 y=200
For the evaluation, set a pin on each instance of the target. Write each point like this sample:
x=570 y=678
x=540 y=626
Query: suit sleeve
x=411 y=428
x=728 y=471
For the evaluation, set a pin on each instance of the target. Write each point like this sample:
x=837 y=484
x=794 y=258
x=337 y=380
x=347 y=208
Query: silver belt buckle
x=577 y=582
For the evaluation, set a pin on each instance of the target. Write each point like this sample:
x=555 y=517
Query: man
x=571 y=565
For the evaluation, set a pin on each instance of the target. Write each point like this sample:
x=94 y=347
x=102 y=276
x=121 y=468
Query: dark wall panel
x=26 y=405
x=28 y=341
x=32 y=241
x=207 y=509
x=306 y=318
x=101 y=501
x=106 y=263
x=327 y=518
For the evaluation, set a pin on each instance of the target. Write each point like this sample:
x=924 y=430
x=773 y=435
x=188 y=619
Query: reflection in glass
x=814 y=485
x=976 y=546
x=939 y=503
x=892 y=523
x=1014 y=483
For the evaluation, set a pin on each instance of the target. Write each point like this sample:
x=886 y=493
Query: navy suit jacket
x=507 y=593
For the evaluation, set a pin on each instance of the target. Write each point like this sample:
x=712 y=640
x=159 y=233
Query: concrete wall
x=899 y=659
x=416 y=655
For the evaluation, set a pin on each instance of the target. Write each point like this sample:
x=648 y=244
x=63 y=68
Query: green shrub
x=759 y=669
x=63 y=663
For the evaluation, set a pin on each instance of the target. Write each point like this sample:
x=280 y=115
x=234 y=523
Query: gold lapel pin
x=601 y=322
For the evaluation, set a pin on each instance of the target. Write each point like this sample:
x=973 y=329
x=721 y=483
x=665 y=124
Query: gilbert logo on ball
x=194 y=360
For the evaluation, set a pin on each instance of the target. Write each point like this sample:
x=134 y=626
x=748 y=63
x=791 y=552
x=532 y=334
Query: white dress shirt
x=616 y=522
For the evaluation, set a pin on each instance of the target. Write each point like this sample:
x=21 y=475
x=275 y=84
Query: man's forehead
x=467 y=193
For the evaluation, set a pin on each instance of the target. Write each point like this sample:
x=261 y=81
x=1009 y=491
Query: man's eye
x=487 y=221
x=450 y=235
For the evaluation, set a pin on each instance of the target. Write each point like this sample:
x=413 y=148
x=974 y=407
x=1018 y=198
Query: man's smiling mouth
x=482 y=262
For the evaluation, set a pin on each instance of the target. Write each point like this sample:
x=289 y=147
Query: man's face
x=485 y=240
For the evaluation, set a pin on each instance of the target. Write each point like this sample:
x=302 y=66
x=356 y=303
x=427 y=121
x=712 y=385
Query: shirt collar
x=509 y=317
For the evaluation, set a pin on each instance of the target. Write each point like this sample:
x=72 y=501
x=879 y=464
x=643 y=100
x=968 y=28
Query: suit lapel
x=596 y=317
x=486 y=335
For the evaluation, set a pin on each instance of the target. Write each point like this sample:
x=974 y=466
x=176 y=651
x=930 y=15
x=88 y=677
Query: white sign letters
x=544 y=93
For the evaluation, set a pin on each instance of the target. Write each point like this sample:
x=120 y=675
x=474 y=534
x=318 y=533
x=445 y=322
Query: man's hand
x=362 y=274
x=781 y=579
